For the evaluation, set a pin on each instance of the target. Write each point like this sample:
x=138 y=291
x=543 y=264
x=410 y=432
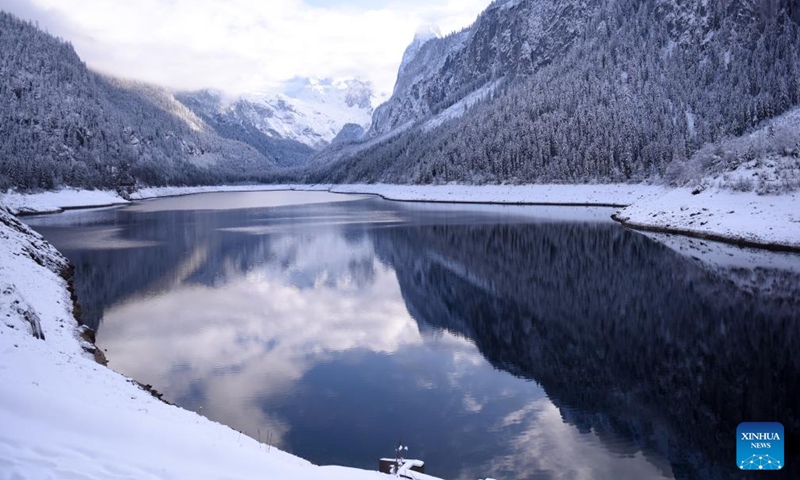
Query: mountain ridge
x=288 y=126
x=66 y=125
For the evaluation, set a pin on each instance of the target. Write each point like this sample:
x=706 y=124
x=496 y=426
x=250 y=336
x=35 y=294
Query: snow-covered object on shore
x=65 y=416
x=747 y=218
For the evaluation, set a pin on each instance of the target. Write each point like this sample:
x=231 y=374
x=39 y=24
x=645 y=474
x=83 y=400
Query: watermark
x=759 y=446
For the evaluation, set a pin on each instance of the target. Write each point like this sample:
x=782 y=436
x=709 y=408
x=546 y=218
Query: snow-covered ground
x=771 y=221
x=53 y=202
x=158 y=192
x=69 y=198
x=57 y=201
x=743 y=190
x=597 y=195
x=64 y=416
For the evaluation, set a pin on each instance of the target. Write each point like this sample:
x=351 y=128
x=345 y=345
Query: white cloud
x=259 y=325
x=558 y=450
x=242 y=45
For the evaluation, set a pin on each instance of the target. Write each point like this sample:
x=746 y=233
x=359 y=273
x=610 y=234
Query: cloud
x=243 y=45
x=261 y=328
x=551 y=448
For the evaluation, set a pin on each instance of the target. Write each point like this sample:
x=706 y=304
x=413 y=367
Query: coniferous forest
x=636 y=94
x=620 y=91
x=64 y=125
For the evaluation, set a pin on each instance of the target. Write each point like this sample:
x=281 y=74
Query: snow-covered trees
x=61 y=124
x=642 y=88
x=628 y=90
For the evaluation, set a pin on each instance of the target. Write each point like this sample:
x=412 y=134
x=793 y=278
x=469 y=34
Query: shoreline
x=742 y=243
x=749 y=220
x=764 y=222
x=67 y=209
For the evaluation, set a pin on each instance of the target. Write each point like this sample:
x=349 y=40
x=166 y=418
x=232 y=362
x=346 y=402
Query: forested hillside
x=629 y=90
x=535 y=91
x=62 y=124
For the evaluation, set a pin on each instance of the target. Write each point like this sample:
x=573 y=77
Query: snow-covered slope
x=65 y=416
x=765 y=161
x=744 y=218
x=287 y=125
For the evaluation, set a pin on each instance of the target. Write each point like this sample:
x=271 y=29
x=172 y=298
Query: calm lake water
x=511 y=342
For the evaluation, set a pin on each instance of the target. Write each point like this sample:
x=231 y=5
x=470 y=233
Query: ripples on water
x=507 y=342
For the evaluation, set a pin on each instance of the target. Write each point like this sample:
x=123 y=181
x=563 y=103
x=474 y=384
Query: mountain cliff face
x=288 y=127
x=580 y=90
x=509 y=38
x=62 y=124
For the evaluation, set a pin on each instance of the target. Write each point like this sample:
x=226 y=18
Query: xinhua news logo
x=759 y=446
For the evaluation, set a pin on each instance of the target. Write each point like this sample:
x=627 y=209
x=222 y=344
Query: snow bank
x=60 y=200
x=65 y=416
x=157 y=192
x=598 y=195
x=57 y=201
x=744 y=218
x=579 y=195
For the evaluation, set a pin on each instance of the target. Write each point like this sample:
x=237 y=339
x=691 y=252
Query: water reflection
x=494 y=342
x=630 y=340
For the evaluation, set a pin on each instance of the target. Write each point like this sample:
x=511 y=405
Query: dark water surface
x=516 y=342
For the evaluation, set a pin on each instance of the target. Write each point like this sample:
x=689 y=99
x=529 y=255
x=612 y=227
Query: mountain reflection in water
x=494 y=342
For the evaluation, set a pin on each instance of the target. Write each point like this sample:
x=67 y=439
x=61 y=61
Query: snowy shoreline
x=611 y=195
x=746 y=219
x=604 y=195
x=769 y=222
x=22 y=204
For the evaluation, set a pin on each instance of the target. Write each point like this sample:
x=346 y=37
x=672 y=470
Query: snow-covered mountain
x=62 y=124
x=577 y=91
x=509 y=38
x=311 y=111
x=428 y=32
x=289 y=125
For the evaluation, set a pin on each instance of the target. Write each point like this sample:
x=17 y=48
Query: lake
x=511 y=342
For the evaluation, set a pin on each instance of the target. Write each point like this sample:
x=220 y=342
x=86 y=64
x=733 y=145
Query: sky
x=240 y=46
